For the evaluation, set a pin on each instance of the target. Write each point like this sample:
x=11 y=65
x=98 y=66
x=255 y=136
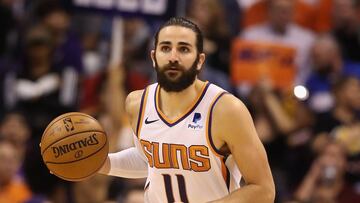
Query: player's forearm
x=127 y=163
x=250 y=194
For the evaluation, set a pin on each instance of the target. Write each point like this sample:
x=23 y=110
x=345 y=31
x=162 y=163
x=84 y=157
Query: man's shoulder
x=229 y=113
x=227 y=105
x=134 y=95
x=133 y=101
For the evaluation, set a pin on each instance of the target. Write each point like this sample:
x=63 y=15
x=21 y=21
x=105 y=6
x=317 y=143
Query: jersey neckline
x=173 y=122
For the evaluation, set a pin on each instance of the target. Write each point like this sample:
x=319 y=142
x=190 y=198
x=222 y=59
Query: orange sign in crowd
x=251 y=61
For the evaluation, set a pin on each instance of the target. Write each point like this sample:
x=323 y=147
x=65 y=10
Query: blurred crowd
x=55 y=60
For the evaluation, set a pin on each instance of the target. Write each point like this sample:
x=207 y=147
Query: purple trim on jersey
x=184 y=116
x=140 y=112
x=210 y=123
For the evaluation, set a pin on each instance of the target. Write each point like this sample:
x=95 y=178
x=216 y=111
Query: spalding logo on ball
x=74 y=146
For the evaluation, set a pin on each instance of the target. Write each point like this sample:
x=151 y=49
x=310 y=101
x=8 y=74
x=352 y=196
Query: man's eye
x=184 y=49
x=165 y=49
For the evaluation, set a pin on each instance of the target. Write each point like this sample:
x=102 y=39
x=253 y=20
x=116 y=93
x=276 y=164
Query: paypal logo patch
x=196 y=122
x=197 y=117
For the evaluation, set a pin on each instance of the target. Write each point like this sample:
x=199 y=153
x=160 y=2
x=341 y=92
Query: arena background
x=294 y=63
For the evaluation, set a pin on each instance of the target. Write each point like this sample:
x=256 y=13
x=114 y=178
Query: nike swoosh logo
x=148 y=122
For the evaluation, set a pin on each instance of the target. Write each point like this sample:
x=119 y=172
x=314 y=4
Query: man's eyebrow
x=179 y=43
x=165 y=42
x=185 y=43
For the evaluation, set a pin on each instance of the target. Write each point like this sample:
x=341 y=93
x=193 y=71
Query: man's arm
x=127 y=163
x=233 y=126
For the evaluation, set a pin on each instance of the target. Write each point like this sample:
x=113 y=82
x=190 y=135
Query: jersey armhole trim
x=209 y=124
x=141 y=112
x=224 y=169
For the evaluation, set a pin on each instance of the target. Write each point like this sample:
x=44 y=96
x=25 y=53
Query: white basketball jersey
x=184 y=166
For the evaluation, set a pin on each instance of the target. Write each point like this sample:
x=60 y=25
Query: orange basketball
x=74 y=146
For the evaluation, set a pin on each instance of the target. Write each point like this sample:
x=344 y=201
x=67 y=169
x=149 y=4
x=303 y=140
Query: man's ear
x=152 y=55
x=201 y=62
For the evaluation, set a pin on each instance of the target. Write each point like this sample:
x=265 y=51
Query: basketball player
x=194 y=141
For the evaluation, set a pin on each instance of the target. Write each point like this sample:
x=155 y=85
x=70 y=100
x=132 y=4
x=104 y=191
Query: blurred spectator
x=94 y=60
x=327 y=66
x=41 y=91
x=136 y=59
x=15 y=129
x=232 y=12
x=323 y=12
x=349 y=136
x=7 y=75
x=209 y=15
x=12 y=187
x=111 y=112
x=347 y=103
x=7 y=23
x=67 y=46
x=325 y=180
x=93 y=190
x=284 y=126
x=280 y=29
x=346 y=26
x=303 y=13
x=311 y=14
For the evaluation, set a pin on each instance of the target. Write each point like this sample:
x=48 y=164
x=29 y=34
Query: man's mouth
x=173 y=72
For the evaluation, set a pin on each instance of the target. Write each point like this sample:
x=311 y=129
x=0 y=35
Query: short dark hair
x=183 y=22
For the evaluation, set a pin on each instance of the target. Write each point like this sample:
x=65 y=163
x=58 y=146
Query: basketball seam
x=62 y=117
x=72 y=179
x=67 y=162
x=99 y=131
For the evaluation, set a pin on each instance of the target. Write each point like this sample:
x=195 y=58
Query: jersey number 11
x=169 y=189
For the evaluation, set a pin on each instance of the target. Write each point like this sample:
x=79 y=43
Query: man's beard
x=184 y=80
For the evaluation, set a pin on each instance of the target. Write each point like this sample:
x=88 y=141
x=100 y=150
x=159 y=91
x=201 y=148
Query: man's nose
x=174 y=57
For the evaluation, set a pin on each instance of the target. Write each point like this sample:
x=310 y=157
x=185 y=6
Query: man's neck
x=174 y=104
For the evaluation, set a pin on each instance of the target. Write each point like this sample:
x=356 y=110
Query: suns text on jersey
x=194 y=157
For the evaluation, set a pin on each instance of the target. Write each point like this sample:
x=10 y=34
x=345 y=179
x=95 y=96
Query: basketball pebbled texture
x=74 y=146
